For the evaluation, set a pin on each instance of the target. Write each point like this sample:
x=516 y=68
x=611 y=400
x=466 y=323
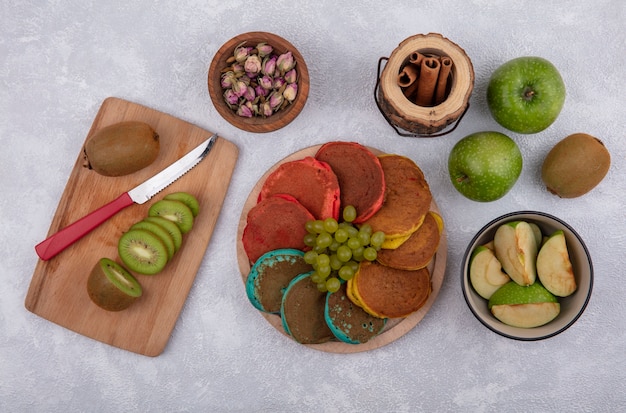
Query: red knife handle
x=73 y=232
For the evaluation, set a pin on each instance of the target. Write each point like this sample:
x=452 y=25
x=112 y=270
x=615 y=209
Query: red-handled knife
x=139 y=195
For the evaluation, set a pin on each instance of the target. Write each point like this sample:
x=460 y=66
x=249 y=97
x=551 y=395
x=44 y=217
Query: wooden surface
x=256 y=123
x=58 y=287
x=395 y=328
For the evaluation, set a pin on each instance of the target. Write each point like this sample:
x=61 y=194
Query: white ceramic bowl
x=572 y=307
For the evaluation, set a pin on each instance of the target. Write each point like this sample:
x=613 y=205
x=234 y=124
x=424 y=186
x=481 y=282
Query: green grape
x=323 y=260
x=317 y=277
x=334 y=245
x=324 y=240
x=330 y=225
x=333 y=284
x=367 y=228
x=344 y=253
x=319 y=250
x=377 y=239
x=346 y=272
x=310 y=240
x=357 y=253
x=370 y=253
x=318 y=226
x=354 y=265
x=310 y=257
x=341 y=235
x=349 y=213
x=323 y=271
x=363 y=237
x=352 y=232
x=321 y=287
x=354 y=243
x=310 y=227
x=335 y=262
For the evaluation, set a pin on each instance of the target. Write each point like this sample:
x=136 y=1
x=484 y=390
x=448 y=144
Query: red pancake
x=313 y=183
x=360 y=176
x=275 y=222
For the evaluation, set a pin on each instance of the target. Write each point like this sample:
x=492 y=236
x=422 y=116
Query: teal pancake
x=349 y=322
x=302 y=311
x=271 y=274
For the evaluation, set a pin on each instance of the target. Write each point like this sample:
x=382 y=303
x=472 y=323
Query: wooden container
x=424 y=120
x=257 y=123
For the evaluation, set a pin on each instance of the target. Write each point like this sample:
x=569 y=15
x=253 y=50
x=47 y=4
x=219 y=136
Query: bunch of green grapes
x=338 y=247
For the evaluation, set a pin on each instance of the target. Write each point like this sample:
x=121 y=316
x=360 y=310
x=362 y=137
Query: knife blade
x=62 y=239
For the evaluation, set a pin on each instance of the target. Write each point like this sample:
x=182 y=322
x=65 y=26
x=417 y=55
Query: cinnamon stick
x=411 y=72
x=442 y=80
x=429 y=72
x=416 y=58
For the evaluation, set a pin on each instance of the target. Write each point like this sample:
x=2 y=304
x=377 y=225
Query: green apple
x=516 y=249
x=554 y=267
x=526 y=94
x=486 y=273
x=484 y=166
x=524 y=306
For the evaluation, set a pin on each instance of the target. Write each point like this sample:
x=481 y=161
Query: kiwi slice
x=170 y=227
x=187 y=199
x=160 y=232
x=142 y=251
x=175 y=211
x=111 y=287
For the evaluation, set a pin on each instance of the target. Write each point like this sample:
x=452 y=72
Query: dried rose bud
x=242 y=53
x=239 y=88
x=245 y=111
x=269 y=65
x=261 y=91
x=252 y=66
x=278 y=83
x=265 y=82
x=231 y=98
x=264 y=49
x=227 y=79
x=285 y=62
x=276 y=99
x=291 y=76
x=266 y=109
x=250 y=94
x=290 y=91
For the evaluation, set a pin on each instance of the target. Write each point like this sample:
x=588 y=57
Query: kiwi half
x=111 y=287
x=187 y=199
x=174 y=211
x=160 y=232
x=142 y=251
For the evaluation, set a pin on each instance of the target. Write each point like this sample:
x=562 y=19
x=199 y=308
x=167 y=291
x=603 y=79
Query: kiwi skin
x=575 y=165
x=102 y=288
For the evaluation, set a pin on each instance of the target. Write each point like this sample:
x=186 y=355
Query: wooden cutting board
x=57 y=290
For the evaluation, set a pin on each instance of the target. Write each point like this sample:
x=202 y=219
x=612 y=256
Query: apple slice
x=516 y=249
x=537 y=233
x=486 y=273
x=554 y=267
x=524 y=306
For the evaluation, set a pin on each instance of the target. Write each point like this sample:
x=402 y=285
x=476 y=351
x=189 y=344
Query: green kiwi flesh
x=160 y=232
x=187 y=199
x=175 y=211
x=142 y=252
x=170 y=227
x=111 y=287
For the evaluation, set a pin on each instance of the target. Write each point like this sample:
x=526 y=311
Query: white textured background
x=60 y=59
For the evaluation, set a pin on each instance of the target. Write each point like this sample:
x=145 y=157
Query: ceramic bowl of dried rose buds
x=258 y=82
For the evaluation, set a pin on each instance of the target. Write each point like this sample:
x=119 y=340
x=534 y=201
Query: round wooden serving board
x=395 y=328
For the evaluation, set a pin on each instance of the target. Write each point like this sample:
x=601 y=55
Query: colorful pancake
x=407 y=198
x=274 y=223
x=302 y=311
x=418 y=250
x=388 y=292
x=271 y=274
x=360 y=176
x=312 y=182
x=348 y=322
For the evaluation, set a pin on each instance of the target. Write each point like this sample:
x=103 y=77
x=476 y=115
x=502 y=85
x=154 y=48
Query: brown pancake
x=389 y=292
x=274 y=223
x=312 y=182
x=302 y=312
x=417 y=251
x=360 y=176
x=407 y=197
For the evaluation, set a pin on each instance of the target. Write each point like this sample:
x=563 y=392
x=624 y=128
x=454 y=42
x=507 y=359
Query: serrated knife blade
x=62 y=239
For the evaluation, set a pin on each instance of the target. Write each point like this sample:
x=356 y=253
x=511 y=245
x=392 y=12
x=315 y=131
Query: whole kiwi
x=122 y=148
x=575 y=165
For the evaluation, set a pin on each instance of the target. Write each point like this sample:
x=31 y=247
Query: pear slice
x=516 y=249
x=554 y=267
x=524 y=306
x=486 y=273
